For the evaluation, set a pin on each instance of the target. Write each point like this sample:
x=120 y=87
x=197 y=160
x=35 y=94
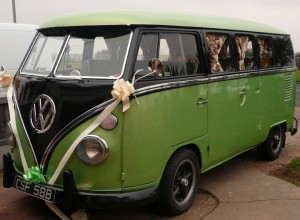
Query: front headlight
x=92 y=150
x=10 y=137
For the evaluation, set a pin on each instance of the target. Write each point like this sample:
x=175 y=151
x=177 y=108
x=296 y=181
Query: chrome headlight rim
x=113 y=119
x=83 y=156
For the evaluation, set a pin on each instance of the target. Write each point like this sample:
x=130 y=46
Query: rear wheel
x=271 y=148
x=179 y=183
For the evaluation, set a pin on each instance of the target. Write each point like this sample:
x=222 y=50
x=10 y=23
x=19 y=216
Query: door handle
x=243 y=92
x=202 y=102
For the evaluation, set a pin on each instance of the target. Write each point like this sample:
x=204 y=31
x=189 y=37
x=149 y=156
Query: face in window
x=245 y=52
x=219 y=52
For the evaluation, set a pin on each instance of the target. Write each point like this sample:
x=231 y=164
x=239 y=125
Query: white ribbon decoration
x=121 y=92
x=5 y=79
x=14 y=126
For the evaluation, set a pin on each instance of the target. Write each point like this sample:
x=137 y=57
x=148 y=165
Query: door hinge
x=123 y=176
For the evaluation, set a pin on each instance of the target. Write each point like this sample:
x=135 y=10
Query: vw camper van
x=131 y=107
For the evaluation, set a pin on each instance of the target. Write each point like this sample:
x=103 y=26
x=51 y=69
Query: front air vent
x=288 y=87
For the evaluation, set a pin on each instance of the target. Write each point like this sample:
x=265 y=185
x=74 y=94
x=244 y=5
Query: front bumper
x=294 y=128
x=71 y=198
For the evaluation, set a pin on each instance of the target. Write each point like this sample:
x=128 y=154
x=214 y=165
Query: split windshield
x=86 y=54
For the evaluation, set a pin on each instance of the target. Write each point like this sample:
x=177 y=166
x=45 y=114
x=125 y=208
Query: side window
x=284 y=54
x=177 y=52
x=147 y=50
x=219 y=52
x=244 y=44
x=265 y=52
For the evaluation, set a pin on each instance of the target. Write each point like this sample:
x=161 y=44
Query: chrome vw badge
x=42 y=113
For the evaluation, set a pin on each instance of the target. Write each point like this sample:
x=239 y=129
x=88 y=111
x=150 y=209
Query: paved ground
x=239 y=189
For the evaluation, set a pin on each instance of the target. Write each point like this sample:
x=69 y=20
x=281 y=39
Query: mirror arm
x=148 y=74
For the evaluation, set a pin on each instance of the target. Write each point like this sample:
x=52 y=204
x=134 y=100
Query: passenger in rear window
x=265 y=52
x=219 y=53
x=244 y=45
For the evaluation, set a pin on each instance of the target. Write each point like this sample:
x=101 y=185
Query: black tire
x=271 y=148
x=179 y=184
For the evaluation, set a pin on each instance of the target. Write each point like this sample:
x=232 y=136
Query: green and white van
x=131 y=107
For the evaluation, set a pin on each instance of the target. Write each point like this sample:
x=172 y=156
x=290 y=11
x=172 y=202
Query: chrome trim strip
x=210 y=78
x=24 y=128
x=126 y=56
x=246 y=75
x=60 y=54
x=170 y=85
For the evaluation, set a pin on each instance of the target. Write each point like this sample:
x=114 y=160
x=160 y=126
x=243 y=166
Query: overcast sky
x=284 y=14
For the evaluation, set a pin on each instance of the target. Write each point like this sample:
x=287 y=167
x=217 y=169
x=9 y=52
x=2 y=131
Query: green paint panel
x=105 y=176
x=159 y=122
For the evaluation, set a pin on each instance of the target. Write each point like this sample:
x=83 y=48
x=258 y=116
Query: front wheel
x=178 y=186
x=271 y=148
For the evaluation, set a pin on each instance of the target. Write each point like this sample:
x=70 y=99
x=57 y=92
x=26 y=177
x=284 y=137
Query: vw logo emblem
x=42 y=113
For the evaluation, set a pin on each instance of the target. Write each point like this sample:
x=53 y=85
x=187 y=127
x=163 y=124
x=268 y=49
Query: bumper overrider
x=71 y=198
x=294 y=128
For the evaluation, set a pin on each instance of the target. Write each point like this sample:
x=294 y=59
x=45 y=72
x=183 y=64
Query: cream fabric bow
x=121 y=91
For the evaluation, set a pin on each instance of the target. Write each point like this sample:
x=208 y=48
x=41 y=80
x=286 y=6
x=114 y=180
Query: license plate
x=36 y=190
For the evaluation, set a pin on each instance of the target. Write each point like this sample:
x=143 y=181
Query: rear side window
x=284 y=54
x=244 y=44
x=265 y=52
x=219 y=52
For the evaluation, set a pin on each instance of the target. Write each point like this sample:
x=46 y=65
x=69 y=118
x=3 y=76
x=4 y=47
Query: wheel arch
x=192 y=147
x=281 y=123
x=166 y=200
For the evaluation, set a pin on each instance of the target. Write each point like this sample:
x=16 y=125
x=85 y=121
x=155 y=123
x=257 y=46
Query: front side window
x=43 y=55
x=265 y=52
x=244 y=44
x=177 y=52
x=219 y=52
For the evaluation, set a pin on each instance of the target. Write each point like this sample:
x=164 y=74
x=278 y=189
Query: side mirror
x=155 y=68
x=2 y=68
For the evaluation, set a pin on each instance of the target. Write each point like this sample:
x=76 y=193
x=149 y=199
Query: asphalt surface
x=241 y=188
